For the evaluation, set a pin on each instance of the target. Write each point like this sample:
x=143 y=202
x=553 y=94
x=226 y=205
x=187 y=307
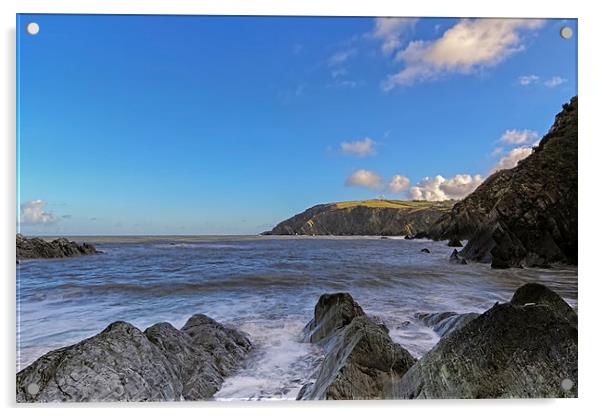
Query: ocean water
x=266 y=286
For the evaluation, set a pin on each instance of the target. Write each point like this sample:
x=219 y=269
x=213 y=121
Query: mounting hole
x=33 y=28
x=566 y=32
x=33 y=389
x=567 y=384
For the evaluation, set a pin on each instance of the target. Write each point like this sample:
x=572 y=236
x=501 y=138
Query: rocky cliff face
x=35 y=248
x=525 y=216
x=372 y=218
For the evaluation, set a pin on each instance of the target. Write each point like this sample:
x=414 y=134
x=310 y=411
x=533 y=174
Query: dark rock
x=444 y=323
x=33 y=248
x=527 y=215
x=425 y=250
x=418 y=235
x=124 y=364
x=332 y=312
x=456 y=258
x=412 y=218
x=454 y=242
x=536 y=293
x=361 y=361
x=510 y=351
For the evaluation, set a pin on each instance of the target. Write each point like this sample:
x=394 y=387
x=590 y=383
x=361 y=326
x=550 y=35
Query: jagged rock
x=510 y=351
x=361 y=361
x=454 y=242
x=332 y=312
x=527 y=215
x=444 y=323
x=418 y=235
x=123 y=363
x=456 y=259
x=33 y=248
x=425 y=250
x=536 y=293
x=409 y=218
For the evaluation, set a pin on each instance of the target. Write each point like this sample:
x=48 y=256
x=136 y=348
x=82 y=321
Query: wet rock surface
x=444 y=323
x=361 y=360
x=510 y=351
x=123 y=363
x=36 y=248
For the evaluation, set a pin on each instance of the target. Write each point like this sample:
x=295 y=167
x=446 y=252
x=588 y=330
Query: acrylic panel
x=295 y=208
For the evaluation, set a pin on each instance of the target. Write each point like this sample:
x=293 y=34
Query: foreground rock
x=37 y=248
x=361 y=361
x=527 y=215
x=123 y=363
x=372 y=217
x=512 y=350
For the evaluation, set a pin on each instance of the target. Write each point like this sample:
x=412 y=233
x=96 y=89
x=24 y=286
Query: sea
x=266 y=286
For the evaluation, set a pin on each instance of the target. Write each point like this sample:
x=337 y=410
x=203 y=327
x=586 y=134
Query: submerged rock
x=34 y=248
x=510 y=351
x=123 y=363
x=361 y=360
x=456 y=259
x=444 y=323
x=425 y=250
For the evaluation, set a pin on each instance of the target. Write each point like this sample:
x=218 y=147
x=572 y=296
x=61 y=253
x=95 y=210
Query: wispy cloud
x=518 y=136
x=469 y=45
x=391 y=31
x=33 y=212
x=554 y=82
x=364 y=178
x=528 y=79
x=525 y=80
x=341 y=57
x=364 y=147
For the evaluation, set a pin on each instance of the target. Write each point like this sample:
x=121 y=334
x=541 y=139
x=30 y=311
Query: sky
x=228 y=125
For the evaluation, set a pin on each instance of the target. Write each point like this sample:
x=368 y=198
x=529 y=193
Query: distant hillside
x=370 y=217
x=527 y=215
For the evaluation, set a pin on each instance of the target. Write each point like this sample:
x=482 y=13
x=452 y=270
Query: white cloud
x=554 y=82
x=398 y=183
x=519 y=136
x=528 y=79
x=390 y=31
x=441 y=189
x=341 y=57
x=511 y=159
x=469 y=45
x=360 y=148
x=32 y=212
x=364 y=178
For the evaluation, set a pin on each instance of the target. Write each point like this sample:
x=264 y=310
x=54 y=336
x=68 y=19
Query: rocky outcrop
x=388 y=218
x=36 y=248
x=513 y=350
x=444 y=323
x=361 y=361
x=123 y=363
x=538 y=294
x=455 y=258
x=527 y=215
x=454 y=242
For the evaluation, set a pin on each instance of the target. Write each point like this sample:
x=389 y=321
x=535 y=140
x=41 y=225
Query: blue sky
x=227 y=125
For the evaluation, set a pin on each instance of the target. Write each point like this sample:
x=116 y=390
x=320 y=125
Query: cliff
x=372 y=217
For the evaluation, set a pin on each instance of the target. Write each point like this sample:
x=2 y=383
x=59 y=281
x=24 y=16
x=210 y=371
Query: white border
x=590 y=153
